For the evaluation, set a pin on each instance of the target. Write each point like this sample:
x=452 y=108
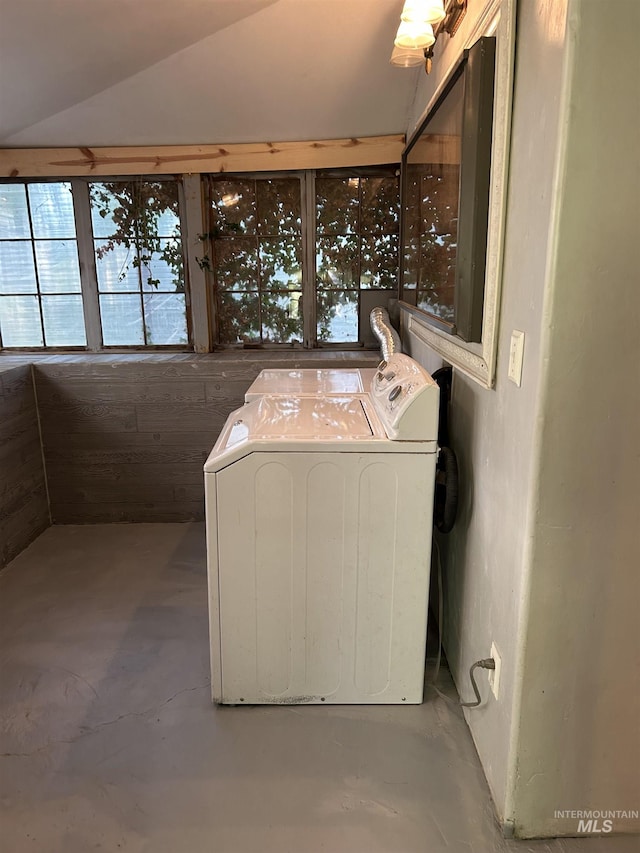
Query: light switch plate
x=516 y=355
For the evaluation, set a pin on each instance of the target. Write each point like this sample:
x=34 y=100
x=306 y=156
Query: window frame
x=80 y=189
x=201 y=316
x=32 y=240
x=309 y=239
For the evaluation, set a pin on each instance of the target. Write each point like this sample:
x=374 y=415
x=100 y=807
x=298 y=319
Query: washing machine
x=319 y=518
x=309 y=382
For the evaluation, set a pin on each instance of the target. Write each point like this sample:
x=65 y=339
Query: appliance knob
x=390 y=375
x=382 y=366
x=395 y=393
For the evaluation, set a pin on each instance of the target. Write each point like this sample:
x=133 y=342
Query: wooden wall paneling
x=123 y=391
x=125 y=438
x=128 y=511
x=24 y=510
x=85 y=449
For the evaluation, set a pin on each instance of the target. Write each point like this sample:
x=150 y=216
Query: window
x=295 y=259
x=92 y=264
x=292 y=254
x=256 y=230
x=40 y=292
x=357 y=224
x=139 y=262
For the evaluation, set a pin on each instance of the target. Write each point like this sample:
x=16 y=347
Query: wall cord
x=485 y=663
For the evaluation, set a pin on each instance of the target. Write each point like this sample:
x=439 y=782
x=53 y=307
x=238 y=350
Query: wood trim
x=87 y=258
x=194 y=159
x=198 y=295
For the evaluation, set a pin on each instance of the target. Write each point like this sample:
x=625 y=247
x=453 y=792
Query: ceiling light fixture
x=431 y=11
x=421 y=22
x=407 y=57
x=413 y=34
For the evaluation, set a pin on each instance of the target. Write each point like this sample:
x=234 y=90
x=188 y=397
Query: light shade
x=414 y=34
x=407 y=57
x=425 y=11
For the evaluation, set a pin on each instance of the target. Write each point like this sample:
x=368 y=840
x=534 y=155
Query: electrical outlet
x=494 y=674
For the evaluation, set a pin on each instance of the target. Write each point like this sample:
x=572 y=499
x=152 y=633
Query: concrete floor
x=109 y=740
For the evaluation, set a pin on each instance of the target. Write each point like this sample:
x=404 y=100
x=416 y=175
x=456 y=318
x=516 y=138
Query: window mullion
x=35 y=265
x=86 y=256
x=192 y=231
x=308 y=185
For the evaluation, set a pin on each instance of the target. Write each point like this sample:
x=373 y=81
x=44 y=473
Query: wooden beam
x=194 y=159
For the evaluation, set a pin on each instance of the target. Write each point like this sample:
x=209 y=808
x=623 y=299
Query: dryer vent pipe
x=385 y=333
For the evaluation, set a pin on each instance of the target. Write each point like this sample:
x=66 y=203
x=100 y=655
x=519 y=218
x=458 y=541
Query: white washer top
x=310 y=424
x=302 y=419
x=325 y=382
x=400 y=414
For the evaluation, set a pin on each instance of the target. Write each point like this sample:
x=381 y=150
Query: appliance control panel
x=406 y=399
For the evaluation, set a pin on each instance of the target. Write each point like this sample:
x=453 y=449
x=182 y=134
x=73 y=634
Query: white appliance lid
x=309 y=424
x=309 y=381
x=298 y=419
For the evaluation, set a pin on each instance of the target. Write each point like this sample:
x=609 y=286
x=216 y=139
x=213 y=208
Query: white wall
x=493 y=431
x=528 y=562
x=579 y=738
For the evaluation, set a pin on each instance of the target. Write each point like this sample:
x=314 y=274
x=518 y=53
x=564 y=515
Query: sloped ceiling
x=160 y=72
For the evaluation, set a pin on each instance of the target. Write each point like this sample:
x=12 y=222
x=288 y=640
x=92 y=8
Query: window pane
x=281 y=317
x=52 y=210
x=58 y=269
x=380 y=210
x=379 y=264
x=236 y=263
x=233 y=207
x=165 y=318
x=281 y=264
x=105 y=209
x=17 y=270
x=164 y=270
x=337 y=205
x=116 y=266
x=138 y=246
x=135 y=210
x=337 y=315
x=337 y=262
x=63 y=321
x=279 y=208
x=14 y=217
x=20 y=321
x=121 y=320
x=161 y=200
x=239 y=318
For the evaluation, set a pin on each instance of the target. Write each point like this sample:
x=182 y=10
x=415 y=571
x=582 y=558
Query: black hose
x=446 y=491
